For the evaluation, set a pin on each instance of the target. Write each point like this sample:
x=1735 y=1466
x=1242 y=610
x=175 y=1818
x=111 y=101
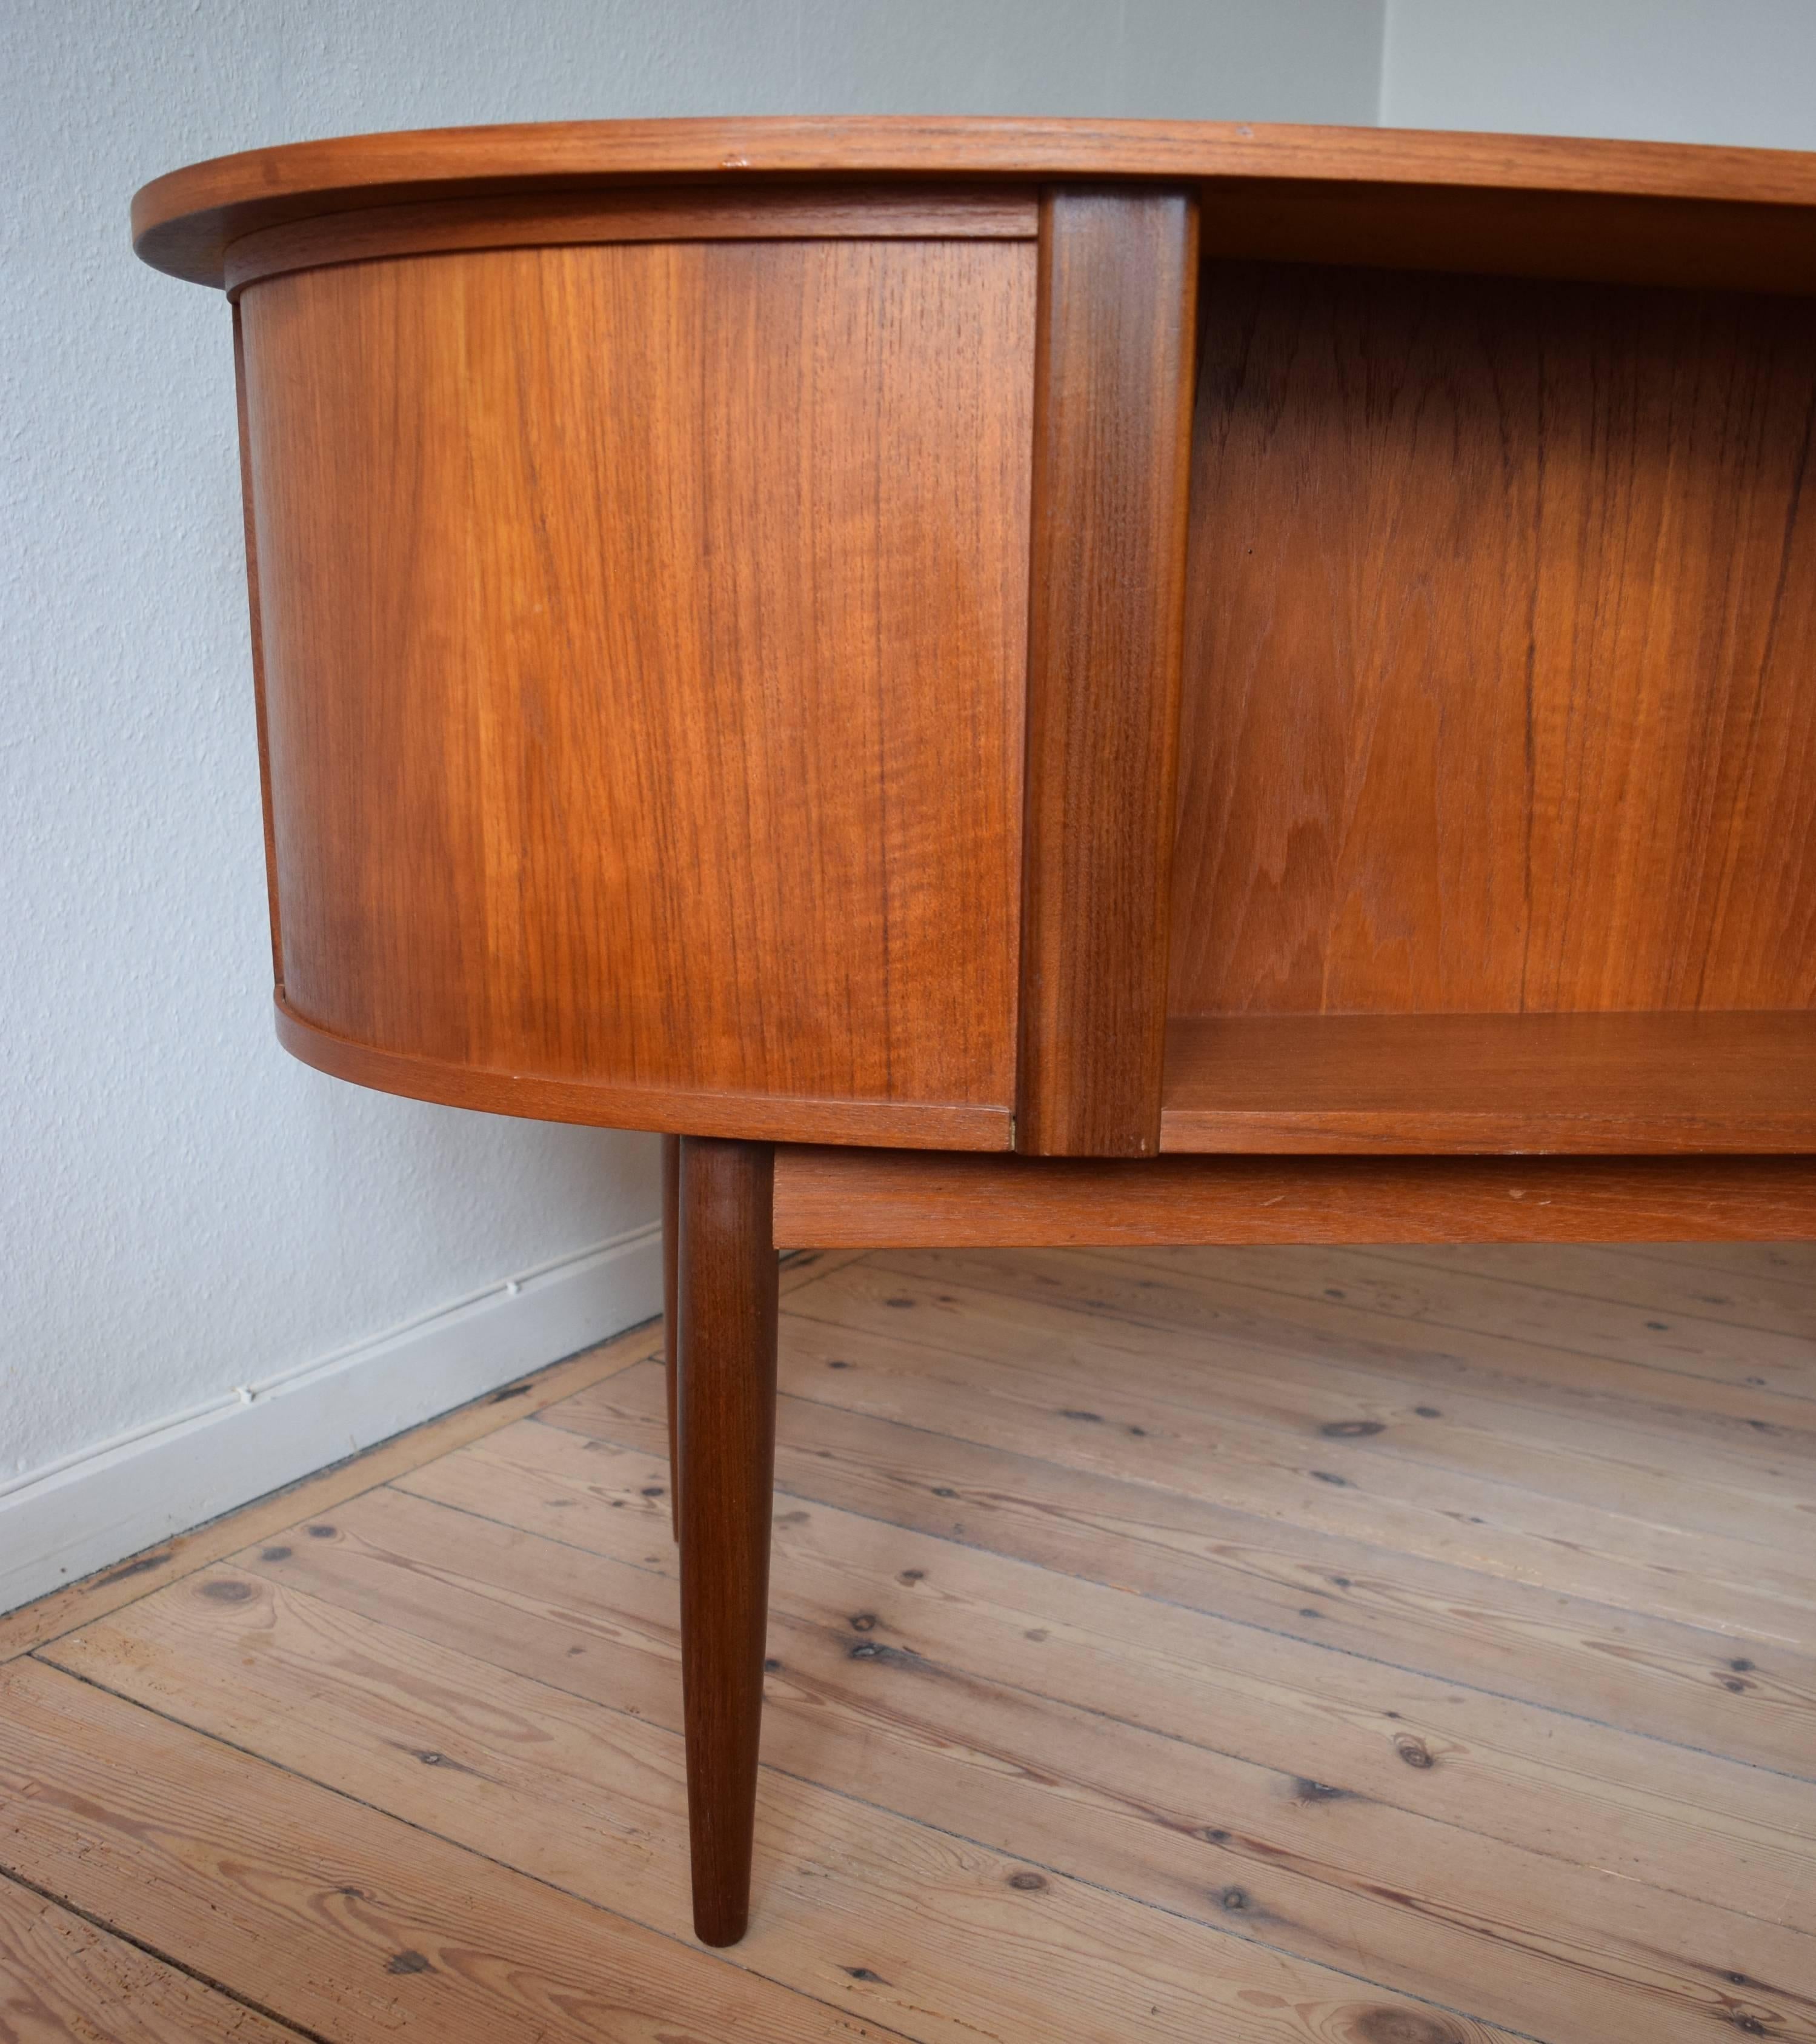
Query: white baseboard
x=65 y=1521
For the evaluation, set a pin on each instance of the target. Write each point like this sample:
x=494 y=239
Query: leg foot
x=727 y=1437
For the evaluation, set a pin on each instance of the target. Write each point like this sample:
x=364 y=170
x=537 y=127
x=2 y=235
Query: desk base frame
x=727 y=1206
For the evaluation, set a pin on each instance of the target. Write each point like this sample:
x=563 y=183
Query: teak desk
x=1037 y=682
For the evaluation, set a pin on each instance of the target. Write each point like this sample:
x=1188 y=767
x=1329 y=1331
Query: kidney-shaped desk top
x=981 y=652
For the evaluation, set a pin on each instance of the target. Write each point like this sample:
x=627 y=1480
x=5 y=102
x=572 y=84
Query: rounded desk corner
x=935 y=1125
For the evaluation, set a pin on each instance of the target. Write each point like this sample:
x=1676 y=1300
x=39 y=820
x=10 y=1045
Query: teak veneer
x=1049 y=641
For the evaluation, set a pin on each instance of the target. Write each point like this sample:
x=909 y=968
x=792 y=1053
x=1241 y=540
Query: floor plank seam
x=287 y=2024
x=1172 y=1603
x=1197 y=1924
x=1681 y=1256
x=1753 y=1433
x=154 y=1557
x=1737 y=1486
x=1728 y=1639
x=1714 y=1319
x=1009 y=1687
x=728 y=1959
x=1090 y=1310
x=1380 y=1449
x=1593 y=1866
x=1101 y=1715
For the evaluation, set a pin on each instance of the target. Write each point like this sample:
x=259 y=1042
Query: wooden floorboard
x=125 y=1582
x=1342 y=1647
x=1045 y=1391
x=64 y=1980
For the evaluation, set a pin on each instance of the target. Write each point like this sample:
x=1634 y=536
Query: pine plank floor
x=1282 y=1646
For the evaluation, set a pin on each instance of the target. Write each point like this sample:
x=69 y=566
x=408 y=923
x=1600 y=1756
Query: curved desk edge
x=747 y=1117
x=181 y=222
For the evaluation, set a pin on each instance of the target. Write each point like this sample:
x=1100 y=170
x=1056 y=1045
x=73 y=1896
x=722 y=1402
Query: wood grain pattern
x=852 y=1198
x=1612 y=1085
x=644 y=668
x=1112 y=412
x=124 y=1581
x=1537 y=1780
x=885 y=1917
x=906 y=1466
x=691 y=214
x=747 y=1116
x=1543 y=1402
x=359 y=1927
x=725 y=1294
x=1492 y=1928
x=1495 y=694
x=677 y=771
x=1296 y=1641
x=62 y=1981
x=895 y=1733
x=1535 y=203
x=1041 y=1367
x=1709 y=1414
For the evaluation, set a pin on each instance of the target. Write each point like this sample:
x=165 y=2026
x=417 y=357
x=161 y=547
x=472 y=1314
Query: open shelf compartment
x=1497 y=815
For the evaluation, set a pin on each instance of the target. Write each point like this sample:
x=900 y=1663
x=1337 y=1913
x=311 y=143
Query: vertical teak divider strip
x=1112 y=392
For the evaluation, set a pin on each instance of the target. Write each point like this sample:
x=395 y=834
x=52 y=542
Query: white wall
x=185 y=1210
x=1669 y=70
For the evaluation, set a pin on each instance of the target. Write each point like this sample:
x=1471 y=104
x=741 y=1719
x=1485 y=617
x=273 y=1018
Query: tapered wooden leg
x=727 y=1436
x=671 y=1314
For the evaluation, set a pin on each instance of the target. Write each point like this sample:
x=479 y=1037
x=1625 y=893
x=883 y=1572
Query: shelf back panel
x=1500 y=631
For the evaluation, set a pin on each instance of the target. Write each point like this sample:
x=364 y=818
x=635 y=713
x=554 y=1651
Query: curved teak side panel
x=758 y=1117
x=644 y=638
x=811 y=213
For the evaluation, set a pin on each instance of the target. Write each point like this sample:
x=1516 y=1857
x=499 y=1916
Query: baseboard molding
x=61 y=1522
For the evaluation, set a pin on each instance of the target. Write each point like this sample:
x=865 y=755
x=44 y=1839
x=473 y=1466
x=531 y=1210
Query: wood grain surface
x=285 y=1893
x=135 y=1576
x=1608 y=1084
x=687 y=214
x=840 y=1198
x=1301 y=1646
x=1531 y=204
x=1495 y=686
x=724 y=1462
x=644 y=631
x=64 y=1981
x=746 y=1117
x=1112 y=441
x=717 y=593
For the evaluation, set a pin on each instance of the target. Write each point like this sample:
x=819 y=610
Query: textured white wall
x=185 y=1209
x=1668 y=71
